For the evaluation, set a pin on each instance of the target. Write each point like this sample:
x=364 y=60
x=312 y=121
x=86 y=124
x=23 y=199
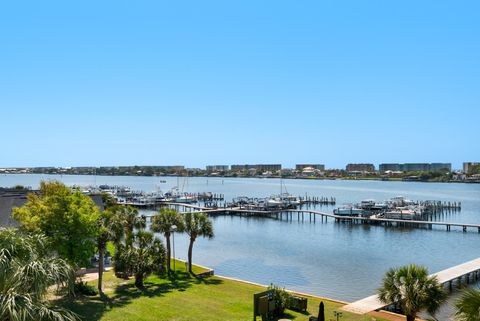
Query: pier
x=312 y=216
x=469 y=271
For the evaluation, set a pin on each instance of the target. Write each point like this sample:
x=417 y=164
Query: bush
x=120 y=265
x=85 y=289
x=281 y=298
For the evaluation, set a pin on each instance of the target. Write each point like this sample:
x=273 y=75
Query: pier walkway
x=344 y=218
x=278 y=213
x=469 y=271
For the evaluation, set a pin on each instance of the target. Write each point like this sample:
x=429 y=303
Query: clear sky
x=226 y=82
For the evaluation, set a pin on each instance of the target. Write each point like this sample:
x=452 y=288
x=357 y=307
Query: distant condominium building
x=300 y=167
x=360 y=168
x=469 y=166
x=392 y=167
x=258 y=167
x=217 y=168
x=440 y=167
x=156 y=167
x=415 y=167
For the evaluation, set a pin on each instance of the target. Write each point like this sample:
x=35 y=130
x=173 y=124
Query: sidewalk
x=91 y=276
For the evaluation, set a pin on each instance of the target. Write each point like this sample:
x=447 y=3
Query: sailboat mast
x=281 y=182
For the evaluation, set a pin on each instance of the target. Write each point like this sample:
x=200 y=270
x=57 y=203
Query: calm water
x=328 y=259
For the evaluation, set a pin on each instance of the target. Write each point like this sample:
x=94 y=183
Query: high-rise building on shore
x=468 y=166
x=393 y=167
x=368 y=168
x=258 y=167
x=217 y=168
x=415 y=167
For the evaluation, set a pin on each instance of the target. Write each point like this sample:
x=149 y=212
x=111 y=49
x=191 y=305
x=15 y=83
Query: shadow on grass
x=93 y=308
x=287 y=315
x=304 y=312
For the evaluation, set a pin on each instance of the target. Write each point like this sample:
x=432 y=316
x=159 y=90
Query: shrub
x=281 y=298
x=85 y=289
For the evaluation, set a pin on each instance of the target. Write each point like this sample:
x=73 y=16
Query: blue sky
x=225 y=82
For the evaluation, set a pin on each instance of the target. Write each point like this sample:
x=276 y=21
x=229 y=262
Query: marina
x=397 y=211
x=302 y=215
x=315 y=256
x=125 y=195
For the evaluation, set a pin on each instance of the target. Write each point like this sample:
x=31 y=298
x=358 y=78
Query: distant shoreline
x=260 y=177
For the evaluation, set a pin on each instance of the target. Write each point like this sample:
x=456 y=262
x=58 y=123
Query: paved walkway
x=93 y=275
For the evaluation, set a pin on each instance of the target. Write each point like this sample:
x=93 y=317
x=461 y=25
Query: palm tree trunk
x=101 y=255
x=139 y=280
x=167 y=238
x=411 y=317
x=190 y=248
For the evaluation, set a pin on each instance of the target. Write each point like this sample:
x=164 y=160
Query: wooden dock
x=469 y=271
x=311 y=215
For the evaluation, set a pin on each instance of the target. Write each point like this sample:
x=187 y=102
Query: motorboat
x=349 y=210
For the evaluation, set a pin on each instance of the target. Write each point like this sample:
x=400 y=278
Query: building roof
x=11 y=198
x=98 y=200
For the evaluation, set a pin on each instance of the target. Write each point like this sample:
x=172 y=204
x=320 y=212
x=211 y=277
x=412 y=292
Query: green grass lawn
x=184 y=298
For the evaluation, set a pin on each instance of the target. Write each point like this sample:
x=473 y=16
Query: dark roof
x=11 y=198
x=98 y=200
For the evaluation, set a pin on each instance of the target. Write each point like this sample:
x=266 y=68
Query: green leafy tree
x=474 y=169
x=468 y=306
x=68 y=219
x=27 y=270
x=145 y=256
x=196 y=224
x=163 y=223
x=413 y=289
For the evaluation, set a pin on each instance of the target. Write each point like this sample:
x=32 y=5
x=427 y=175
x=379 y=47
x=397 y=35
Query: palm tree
x=144 y=256
x=131 y=221
x=107 y=231
x=468 y=306
x=27 y=270
x=123 y=223
x=164 y=222
x=196 y=224
x=412 y=288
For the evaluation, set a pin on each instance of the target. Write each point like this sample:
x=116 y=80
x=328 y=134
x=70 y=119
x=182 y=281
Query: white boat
x=371 y=205
x=400 y=201
x=365 y=204
x=400 y=214
x=348 y=211
x=290 y=199
x=275 y=202
x=284 y=199
x=186 y=199
x=179 y=197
